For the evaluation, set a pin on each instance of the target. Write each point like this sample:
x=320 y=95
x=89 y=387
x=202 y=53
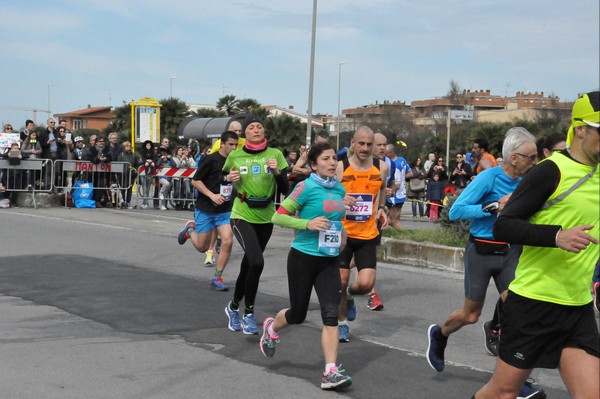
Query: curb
x=420 y=254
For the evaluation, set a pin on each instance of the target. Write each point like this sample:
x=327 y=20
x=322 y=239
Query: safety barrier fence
x=158 y=187
x=109 y=181
x=166 y=188
x=27 y=175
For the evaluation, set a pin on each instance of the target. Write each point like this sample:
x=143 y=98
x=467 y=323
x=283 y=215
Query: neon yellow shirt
x=217 y=145
x=553 y=274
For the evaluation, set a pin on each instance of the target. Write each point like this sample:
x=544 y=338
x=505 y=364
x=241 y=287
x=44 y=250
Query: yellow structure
x=145 y=120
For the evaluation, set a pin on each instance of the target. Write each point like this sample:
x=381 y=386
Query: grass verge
x=439 y=235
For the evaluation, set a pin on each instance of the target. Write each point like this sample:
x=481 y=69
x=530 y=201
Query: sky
x=73 y=53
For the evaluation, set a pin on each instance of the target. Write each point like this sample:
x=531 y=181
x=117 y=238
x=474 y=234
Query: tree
x=227 y=104
x=553 y=118
x=172 y=113
x=262 y=113
x=207 y=113
x=454 y=93
x=121 y=121
x=248 y=105
x=284 y=131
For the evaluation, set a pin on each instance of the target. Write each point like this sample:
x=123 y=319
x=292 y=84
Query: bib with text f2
x=331 y=239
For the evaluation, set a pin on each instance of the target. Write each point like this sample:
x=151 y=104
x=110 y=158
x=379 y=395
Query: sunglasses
x=532 y=158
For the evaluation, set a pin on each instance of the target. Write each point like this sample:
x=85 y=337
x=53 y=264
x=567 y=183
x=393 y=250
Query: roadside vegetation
x=446 y=232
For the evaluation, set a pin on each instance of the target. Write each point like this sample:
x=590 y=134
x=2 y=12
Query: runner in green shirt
x=258 y=173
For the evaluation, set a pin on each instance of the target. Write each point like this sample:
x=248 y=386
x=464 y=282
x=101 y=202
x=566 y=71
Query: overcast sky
x=104 y=52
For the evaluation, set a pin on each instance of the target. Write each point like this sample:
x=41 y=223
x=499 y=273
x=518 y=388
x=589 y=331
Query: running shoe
x=249 y=324
x=344 y=332
x=209 y=258
x=530 y=391
x=596 y=294
x=234 y=318
x=183 y=234
x=218 y=245
x=491 y=338
x=218 y=284
x=268 y=341
x=435 y=349
x=374 y=303
x=336 y=379
x=350 y=309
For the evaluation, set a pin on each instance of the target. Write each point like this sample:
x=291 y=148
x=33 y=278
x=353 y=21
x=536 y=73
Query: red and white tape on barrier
x=170 y=172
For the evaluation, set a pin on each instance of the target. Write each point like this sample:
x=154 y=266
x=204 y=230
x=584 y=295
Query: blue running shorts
x=206 y=222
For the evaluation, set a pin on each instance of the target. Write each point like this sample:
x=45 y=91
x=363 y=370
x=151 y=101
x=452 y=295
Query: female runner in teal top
x=312 y=260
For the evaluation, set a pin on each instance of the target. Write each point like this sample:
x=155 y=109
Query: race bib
x=331 y=239
x=226 y=191
x=362 y=211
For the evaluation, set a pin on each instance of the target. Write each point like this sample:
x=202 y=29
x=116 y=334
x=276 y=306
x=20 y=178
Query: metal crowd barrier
x=180 y=193
x=113 y=178
x=30 y=175
x=44 y=175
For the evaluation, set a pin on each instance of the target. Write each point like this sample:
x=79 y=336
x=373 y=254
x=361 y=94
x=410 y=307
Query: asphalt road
x=105 y=304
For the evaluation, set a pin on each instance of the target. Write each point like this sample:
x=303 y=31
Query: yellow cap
x=586 y=111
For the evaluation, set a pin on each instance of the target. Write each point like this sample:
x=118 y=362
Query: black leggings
x=322 y=272
x=253 y=238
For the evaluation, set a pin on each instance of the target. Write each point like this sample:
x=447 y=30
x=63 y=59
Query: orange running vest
x=368 y=183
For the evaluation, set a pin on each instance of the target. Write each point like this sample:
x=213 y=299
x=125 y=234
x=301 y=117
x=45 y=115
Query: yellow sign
x=145 y=120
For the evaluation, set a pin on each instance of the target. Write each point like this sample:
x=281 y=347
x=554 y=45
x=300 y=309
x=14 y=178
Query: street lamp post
x=171 y=86
x=337 y=125
x=49 y=111
x=311 y=78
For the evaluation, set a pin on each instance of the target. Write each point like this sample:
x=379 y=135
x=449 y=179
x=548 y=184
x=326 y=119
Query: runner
x=213 y=207
x=364 y=179
x=548 y=320
x=486 y=257
x=215 y=241
x=258 y=173
x=313 y=259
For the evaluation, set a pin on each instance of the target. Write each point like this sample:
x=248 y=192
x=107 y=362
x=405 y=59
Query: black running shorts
x=364 y=252
x=534 y=333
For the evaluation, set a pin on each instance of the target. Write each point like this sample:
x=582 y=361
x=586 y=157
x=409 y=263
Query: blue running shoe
x=336 y=379
x=529 y=391
x=350 y=309
x=183 y=234
x=249 y=324
x=218 y=284
x=234 y=318
x=435 y=349
x=344 y=332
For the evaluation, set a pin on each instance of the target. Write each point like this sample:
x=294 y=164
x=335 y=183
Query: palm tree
x=207 y=113
x=172 y=113
x=248 y=105
x=284 y=131
x=121 y=120
x=227 y=104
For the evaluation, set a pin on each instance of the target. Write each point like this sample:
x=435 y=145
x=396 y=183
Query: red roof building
x=88 y=118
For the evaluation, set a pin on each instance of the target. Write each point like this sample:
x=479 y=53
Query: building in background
x=88 y=118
